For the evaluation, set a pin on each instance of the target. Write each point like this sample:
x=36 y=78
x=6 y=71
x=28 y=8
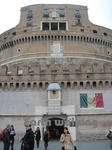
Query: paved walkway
x=55 y=145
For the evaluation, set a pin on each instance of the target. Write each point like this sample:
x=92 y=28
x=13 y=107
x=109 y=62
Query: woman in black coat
x=37 y=136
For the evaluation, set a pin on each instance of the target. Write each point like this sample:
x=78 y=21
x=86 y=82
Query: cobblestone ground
x=55 y=145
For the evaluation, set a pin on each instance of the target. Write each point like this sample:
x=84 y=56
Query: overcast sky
x=100 y=11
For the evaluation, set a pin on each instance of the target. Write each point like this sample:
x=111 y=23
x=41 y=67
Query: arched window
x=23 y=85
x=29 y=85
x=11 y=85
x=62 y=84
x=94 y=84
x=34 y=84
x=22 y=39
x=87 y=84
x=25 y=39
x=5 y=85
x=75 y=84
x=68 y=84
x=0 y=85
x=29 y=38
x=106 y=83
x=100 y=84
x=71 y=37
x=55 y=37
x=45 y=37
x=58 y=37
x=81 y=84
x=46 y=84
x=17 y=85
x=32 y=38
x=61 y=37
x=35 y=37
x=40 y=85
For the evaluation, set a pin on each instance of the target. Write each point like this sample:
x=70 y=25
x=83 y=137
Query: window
x=81 y=84
x=54 y=92
x=94 y=31
x=29 y=22
x=88 y=84
x=54 y=26
x=29 y=14
x=68 y=84
x=45 y=13
x=17 y=85
x=78 y=21
x=62 y=26
x=105 y=34
x=77 y=14
x=14 y=33
x=61 y=13
x=22 y=84
x=28 y=84
x=45 y=26
x=82 y=30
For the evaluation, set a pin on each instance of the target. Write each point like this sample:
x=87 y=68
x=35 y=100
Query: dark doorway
x=56 y=128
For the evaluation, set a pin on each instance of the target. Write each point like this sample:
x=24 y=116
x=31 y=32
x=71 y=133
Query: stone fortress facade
x=57 y=65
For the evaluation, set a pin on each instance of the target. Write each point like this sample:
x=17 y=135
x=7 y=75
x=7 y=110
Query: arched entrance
x=56 y=127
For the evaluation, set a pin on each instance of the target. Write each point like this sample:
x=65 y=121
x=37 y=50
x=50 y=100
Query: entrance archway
x=56 y=128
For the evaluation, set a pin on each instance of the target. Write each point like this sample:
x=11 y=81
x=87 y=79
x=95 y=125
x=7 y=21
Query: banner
x=91 y=100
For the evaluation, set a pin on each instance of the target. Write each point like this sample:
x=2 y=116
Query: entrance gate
x=56 y=127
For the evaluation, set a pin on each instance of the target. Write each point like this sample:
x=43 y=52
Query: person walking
x=46 y=137
x=12 y=134
x=37 y=136
x=67 y=141
x=6 y=138
x=109 y=136
x=28 y=139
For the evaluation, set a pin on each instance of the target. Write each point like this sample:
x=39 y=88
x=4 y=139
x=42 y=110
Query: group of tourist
x=7 y=137
x=28 y=139
x=27 y=142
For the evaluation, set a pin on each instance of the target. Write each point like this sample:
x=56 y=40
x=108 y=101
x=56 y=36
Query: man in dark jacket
x=28 y=139
x=12 y=134
x=6 y=137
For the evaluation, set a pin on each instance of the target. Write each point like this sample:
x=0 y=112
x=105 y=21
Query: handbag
x=62 y=148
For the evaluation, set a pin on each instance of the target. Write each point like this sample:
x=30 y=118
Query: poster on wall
x=91 y=100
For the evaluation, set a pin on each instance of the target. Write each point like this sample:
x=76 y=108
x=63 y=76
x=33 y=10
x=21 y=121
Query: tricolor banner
x=91 y=100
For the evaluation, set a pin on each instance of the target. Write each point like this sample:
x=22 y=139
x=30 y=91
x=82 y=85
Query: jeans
x=6 y=146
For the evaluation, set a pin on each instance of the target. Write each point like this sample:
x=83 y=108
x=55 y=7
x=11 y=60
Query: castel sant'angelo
x=57 y=65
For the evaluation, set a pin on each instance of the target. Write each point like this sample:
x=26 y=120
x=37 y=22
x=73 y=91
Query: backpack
x=1 y=135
